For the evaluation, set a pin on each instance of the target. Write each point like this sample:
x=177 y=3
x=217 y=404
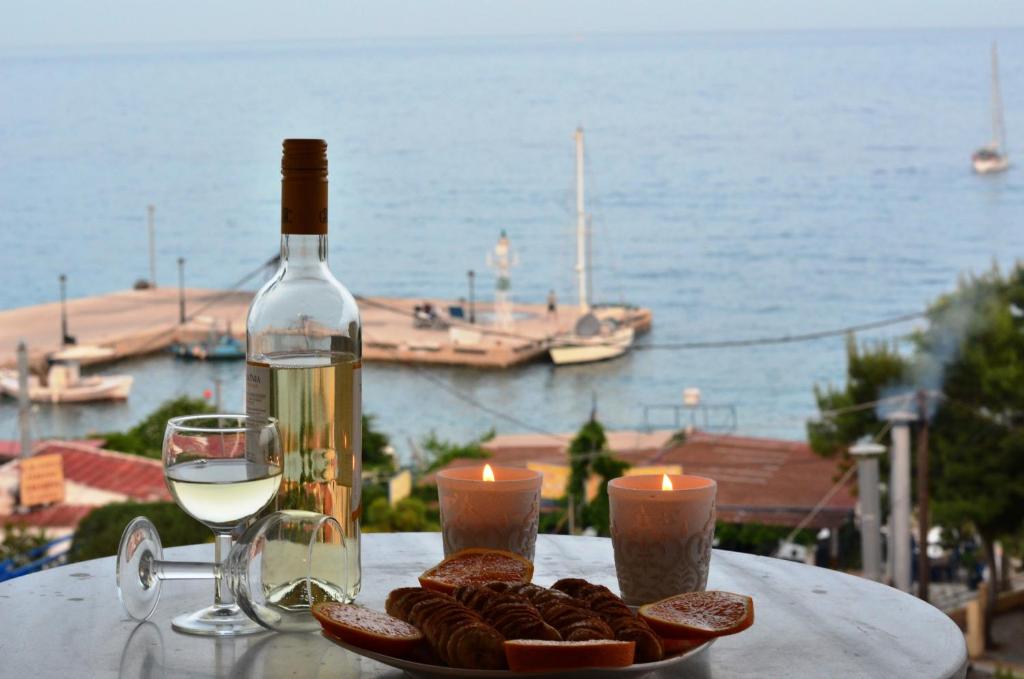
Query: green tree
x=977 y=439
x=588 y=443
x=597 y=514
x=970 y=360
x=374 y=444
x=408 y=515
x=100 y=531
x=147 y=437
x=19 y=540
x=871 y=369
x=442 y=452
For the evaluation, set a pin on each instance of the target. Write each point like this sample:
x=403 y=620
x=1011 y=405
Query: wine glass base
x=138 y=586
x=217 y=621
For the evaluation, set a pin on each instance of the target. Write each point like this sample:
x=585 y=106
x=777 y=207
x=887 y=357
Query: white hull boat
x=593 y=339
x=573 y=349
x=65 y=385
x=985 y=163
x=993 y=158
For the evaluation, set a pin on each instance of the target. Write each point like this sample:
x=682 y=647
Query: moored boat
x=992 y=157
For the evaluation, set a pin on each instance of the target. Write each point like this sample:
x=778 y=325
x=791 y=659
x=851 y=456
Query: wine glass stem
x=182 y=570
x=222 y=596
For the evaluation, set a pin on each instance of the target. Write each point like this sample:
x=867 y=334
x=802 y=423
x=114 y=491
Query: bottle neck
x=303 y=251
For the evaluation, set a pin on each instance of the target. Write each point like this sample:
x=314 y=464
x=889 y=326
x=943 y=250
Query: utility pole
x=63 y=310
x=867 y=455
x=899 y=499
x=216 y=393
x=24 y=406
x=150 y=210
x=181 y=290
x=472 y=295
x=923 y=563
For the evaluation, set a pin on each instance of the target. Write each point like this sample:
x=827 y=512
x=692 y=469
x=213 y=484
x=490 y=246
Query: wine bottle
x=303 y=351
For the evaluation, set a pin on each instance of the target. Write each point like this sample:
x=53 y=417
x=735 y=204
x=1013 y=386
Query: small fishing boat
x=64 y=382
x=992 y=157
x=216 y=347
x=593 y=338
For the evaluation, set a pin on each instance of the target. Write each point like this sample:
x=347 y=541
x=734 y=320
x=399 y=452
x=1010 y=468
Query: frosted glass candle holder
x=662 y=538
x=498 y=514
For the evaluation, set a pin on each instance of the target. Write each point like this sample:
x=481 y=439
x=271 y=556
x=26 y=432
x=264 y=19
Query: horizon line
x=568 y=35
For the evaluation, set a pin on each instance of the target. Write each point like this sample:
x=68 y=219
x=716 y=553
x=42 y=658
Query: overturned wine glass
x=281 y=565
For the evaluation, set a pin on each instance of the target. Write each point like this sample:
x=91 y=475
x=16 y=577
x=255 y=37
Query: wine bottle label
x=257 y=390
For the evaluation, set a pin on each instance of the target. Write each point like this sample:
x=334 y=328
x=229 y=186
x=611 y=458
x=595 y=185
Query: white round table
x=810 y=622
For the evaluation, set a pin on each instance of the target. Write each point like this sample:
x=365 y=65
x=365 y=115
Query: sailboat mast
x=998 y=129
x=581 y=227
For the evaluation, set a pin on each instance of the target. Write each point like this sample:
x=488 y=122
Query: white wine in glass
x=222 y=470
x=223 y=492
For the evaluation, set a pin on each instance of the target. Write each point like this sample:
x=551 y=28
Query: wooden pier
x=138 y=322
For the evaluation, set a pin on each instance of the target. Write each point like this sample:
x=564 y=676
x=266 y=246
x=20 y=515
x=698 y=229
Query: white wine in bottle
x=304 y=349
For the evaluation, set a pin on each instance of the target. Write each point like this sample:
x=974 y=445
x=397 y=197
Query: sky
x=35 y=23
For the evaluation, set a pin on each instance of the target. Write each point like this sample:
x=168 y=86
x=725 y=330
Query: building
x=92 y=477
x=760 y=480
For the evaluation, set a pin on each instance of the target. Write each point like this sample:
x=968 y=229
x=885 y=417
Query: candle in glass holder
x=494 y=507
x=662 y=527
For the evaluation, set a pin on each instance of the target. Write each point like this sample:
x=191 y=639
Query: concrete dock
x=138 y=322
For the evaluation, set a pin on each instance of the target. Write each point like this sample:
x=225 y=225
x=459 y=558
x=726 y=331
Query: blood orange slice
x=700 y=615
x=534 y=655
x=369 y=629
x=476 y=566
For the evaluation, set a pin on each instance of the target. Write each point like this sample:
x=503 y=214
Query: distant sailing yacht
x=594 y=338
x=992 y=158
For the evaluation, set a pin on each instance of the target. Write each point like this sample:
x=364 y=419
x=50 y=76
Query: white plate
x=425 y=671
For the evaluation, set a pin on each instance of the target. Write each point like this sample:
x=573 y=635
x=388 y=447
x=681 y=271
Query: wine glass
x=222 y=470
x=281 y=565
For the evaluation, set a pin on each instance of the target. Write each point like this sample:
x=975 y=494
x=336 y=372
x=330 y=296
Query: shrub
x=100 y=531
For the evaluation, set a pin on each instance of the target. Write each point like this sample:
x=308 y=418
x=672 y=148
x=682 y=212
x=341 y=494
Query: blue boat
x=216 y=347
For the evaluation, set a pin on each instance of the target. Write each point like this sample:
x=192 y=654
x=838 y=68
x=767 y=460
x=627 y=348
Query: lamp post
x=24 y=416
x=63 y=310
x=867 y=455
x=899 y=499
x=181 y=290
x=472 y=298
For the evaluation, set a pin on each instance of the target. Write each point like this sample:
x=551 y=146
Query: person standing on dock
x=552 y=305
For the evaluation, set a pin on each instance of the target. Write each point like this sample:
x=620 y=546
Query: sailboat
x=992 y=157
x=594 y=338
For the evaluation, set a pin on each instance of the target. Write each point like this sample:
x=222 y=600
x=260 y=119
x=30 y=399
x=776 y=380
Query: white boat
x=992 y=157
x=593 y=339
x=65 y=384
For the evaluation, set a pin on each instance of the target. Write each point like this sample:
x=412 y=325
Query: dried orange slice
x=678 y=646
x=369 y=629
x=699 y=615
x=476 y=566
x=535 y=655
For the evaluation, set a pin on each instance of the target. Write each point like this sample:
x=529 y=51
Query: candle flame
x=488 y=473
x=666 y=482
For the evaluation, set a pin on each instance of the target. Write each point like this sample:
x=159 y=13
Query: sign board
x=399 y=487
x=556 y=479
x=42 y=480
x=655 y=469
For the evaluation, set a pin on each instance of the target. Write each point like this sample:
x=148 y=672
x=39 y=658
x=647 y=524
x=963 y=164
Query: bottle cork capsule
x=304 y=187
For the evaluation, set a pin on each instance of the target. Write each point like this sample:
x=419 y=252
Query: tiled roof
x=54 y=516
x=760 y=480
x=88 y=469
x=138 y=478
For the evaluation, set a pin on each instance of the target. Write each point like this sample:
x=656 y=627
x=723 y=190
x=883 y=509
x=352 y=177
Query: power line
x=784 y=339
